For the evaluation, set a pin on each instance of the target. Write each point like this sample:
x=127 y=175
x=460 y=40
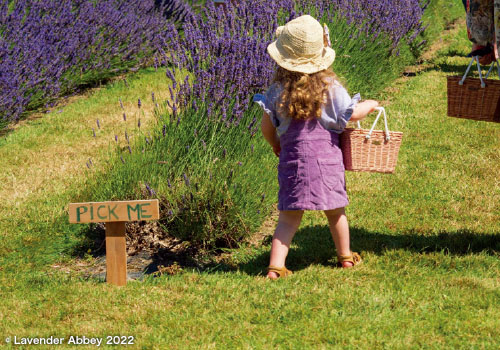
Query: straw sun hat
x=300 y=46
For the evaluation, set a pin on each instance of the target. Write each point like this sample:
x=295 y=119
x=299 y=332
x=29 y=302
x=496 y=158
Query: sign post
x=114 y=214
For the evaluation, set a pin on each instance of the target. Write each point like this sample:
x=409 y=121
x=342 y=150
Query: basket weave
x=471 y=101
x=374 y=154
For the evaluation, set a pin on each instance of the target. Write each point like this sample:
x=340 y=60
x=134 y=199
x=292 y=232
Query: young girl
x=305 y=110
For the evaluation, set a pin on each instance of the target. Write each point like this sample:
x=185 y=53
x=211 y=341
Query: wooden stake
x=116 y=253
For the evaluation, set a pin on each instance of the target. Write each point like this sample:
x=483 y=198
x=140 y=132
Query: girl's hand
x=363 y=108
x=372 y=104
x=277 y=150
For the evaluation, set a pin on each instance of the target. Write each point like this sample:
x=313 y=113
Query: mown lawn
x=429 y=235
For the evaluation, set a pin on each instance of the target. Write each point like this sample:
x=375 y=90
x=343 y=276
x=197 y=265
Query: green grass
x=43 y=160
x=429 y=235
x=438 y=16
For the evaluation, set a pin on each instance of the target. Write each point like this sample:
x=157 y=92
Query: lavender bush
x=225 y=48
x=47 y=48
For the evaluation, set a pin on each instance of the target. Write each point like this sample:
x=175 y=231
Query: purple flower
x=139 y=103
x=186 y=179
x=151 y=191
x=124 y=117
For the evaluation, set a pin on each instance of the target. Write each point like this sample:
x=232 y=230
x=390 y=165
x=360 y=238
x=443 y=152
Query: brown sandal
x=354 y=258
x=280 y=271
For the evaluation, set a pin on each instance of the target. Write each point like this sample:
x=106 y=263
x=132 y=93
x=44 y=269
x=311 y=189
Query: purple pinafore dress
x=311 y=171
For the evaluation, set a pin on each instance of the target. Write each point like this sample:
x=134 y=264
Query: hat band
x=298 y=61
x=291 y=54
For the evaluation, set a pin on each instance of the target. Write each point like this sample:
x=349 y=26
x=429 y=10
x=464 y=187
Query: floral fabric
x=483 y=22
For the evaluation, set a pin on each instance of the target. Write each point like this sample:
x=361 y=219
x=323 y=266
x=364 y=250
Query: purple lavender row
x=46 y=46
x=225 y=47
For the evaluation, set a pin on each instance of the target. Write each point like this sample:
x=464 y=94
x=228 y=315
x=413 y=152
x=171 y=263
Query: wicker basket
x=371 y=150
x=472 y=98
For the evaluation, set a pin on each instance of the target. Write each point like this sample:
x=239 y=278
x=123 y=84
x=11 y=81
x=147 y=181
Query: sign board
x=82 y=213
x=115 y=214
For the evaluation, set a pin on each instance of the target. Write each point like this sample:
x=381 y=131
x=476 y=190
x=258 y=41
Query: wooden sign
x=80 y=213
x=115 y=214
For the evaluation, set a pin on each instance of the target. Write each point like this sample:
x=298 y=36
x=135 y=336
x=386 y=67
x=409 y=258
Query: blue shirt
x=334 y=114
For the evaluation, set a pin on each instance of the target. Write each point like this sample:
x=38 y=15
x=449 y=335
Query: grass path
x=48 y=153
x=429 y=236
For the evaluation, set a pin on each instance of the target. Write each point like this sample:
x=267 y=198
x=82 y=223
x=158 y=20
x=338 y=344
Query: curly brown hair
x=303 y=94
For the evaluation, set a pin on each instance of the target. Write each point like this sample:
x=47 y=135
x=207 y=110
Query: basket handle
x=489 y=71
x=476 y=58
x=381 y=110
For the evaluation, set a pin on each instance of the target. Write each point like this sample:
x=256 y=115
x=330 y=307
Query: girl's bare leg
x=339 y=229
x=288 y=223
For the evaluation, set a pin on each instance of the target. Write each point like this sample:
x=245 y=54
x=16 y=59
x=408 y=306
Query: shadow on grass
x=314 y=245
x=457 y=69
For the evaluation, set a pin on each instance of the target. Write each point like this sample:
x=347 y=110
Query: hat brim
x=308 y=67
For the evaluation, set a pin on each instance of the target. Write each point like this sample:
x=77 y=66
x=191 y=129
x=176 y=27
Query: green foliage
x=439 y=16
x=216 y=183
x=366 y=64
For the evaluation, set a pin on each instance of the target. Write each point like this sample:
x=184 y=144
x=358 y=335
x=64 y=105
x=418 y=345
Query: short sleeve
x=338 y=108
x=268 y=103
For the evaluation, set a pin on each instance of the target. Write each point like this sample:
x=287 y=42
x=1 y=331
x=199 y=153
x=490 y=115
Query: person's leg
x=339 y=229
x=288 y=223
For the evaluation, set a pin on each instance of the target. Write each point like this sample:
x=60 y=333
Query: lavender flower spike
x=186 y=179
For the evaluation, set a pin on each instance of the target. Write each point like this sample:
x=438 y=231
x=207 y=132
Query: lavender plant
x=48 y=48
x=225 y=47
